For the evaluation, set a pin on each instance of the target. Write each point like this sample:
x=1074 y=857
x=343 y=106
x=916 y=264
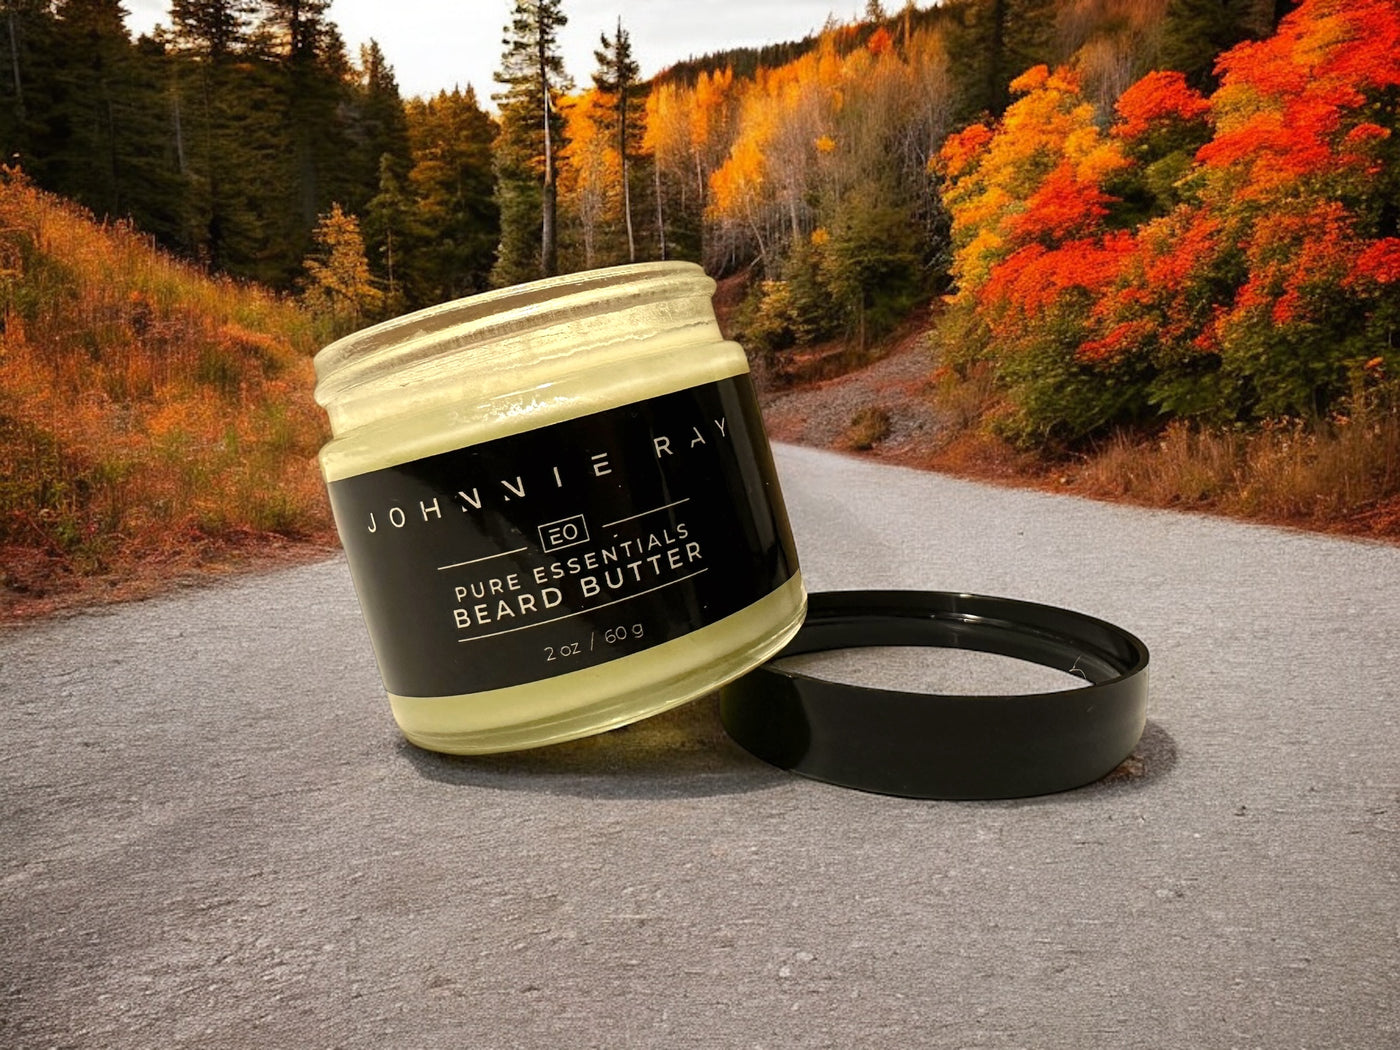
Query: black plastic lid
x=924 y=745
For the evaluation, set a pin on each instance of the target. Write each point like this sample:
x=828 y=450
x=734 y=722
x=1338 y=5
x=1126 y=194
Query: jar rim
x=535 y=304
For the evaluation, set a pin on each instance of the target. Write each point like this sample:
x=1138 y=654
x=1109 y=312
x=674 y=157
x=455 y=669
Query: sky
x=436 y=44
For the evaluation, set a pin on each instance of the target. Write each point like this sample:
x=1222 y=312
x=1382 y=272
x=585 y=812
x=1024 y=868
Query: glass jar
x=558 y=505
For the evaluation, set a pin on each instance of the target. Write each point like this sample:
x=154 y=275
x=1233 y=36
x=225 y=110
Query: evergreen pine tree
x=381 y=158
x=452 y=235
x=211 y=28
x=108 y=144
x=90 y=92
x=26 y=83
x=381 y=125
x=532 y=75
x=222 y=115
x=994 y=41
x=308 y=57
x=391 y=229
x=300 y=30
x=154 y=184
x=1195 y=32
x=616 y=80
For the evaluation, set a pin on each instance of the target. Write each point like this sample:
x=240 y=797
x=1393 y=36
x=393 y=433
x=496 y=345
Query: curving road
x=211 y=835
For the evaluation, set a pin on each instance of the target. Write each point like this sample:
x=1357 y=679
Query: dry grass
x=146 y=409
x=1344 y=475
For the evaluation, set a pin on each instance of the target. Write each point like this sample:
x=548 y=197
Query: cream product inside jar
x=558 y=505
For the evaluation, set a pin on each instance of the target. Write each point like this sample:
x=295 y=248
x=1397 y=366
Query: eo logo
x=566 y=532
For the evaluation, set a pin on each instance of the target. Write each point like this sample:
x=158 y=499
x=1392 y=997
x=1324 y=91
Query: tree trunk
x=627 y=212
x=660 y=216
x=549 y=253
x=14 y=64
x=389 y=256
x=998 y=94
x=622 y=152
x=179 y=132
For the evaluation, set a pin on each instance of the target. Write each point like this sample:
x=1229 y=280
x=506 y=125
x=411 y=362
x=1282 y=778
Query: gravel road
x=213 y=837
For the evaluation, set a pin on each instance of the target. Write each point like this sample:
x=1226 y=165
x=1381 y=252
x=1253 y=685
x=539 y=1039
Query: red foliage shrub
x=1158 y=98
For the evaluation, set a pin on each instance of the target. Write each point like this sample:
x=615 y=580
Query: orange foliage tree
x=1302 y=174
x=1036 y=244
x=1230 y=258
x=590 y=182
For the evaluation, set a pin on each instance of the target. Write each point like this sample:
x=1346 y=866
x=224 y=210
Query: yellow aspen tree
x=589 y=171
x=712 y=123
x=666 y=139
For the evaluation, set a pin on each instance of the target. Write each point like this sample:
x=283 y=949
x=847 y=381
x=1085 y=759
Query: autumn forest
x=1120 y=216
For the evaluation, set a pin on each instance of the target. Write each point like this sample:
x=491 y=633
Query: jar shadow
x=681 y=753
x=1151 y=760
x=685 y=753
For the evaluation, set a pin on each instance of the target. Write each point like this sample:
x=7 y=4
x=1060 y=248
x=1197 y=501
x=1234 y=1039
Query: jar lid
x=922 y=745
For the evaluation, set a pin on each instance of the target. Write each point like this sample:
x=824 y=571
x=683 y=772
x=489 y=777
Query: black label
x=567 y=546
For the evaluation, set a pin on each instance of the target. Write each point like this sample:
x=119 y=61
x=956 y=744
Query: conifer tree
x=454 y=209
x=338 y=282
x=300 y=28
x=532 y=75
x=391 y=228
x=211 y=28
x=381 y=160
x=306 y=52
x=1195 y=32
x=995 y=41
x=109 y=143
x=89 y=97
x=382 y=124
x=29 y=60
x=223 y=221
x=616 y=80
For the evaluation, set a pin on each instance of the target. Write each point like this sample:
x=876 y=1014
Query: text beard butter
x=559 y=507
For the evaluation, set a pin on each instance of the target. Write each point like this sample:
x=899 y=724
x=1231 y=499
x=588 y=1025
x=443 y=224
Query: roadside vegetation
x=152 y=418
x=1196 y=298
x=1341 y=477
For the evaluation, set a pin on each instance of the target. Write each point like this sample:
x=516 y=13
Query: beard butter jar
x=558 y=505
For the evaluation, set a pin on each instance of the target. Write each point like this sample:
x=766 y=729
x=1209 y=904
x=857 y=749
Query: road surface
x=213 y=836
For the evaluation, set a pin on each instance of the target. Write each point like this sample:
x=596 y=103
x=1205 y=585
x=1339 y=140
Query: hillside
x=154 y=421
